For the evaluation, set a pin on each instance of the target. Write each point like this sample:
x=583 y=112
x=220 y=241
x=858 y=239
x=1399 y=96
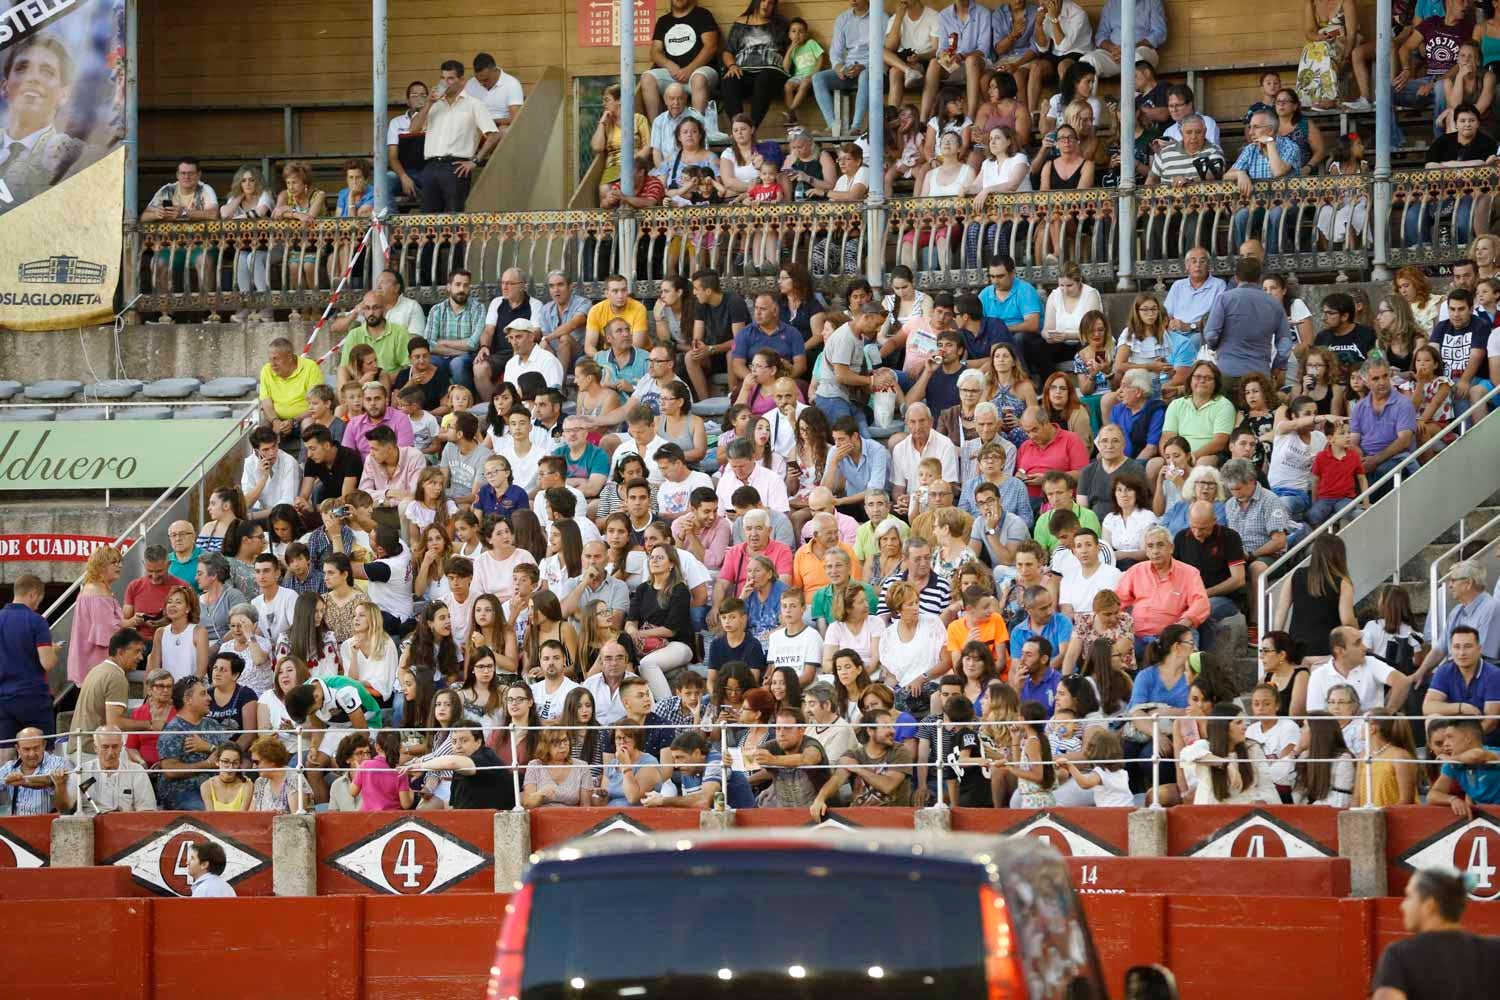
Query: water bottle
x=800 y=193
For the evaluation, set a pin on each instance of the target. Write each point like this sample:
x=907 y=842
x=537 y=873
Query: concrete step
x=1473 y=521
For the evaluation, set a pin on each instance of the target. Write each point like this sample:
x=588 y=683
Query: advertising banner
x=62 y=163
x=50 y=548
x=104 y=454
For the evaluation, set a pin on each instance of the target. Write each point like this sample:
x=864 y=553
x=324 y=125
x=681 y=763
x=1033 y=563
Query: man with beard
x=454 y=327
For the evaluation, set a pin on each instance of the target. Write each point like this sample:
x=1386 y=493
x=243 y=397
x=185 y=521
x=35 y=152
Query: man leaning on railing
x=1265 y=156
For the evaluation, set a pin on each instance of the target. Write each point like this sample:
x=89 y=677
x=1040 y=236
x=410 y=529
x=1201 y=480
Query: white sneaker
x=1362 y=104
x=913 y=78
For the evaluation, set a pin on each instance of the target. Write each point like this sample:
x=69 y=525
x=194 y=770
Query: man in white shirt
x=205 y=868
x=111 y=782
x=526 y=356
x=454 y=123
x=269 y=476
x=389 y=576
x=1366 y=674
x=496 y=89
x=911 y=40
x=554 y=686
x=274 y=604
x=678 y=481
x=605 y=685
x=1085 y=576
x=408 y=172
x=743 y=470
x=922 y=442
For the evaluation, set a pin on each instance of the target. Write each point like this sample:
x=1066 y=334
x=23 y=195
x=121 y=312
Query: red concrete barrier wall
x=552 y=826
x=258 y=948
x=25 y=841
x=41 y=956
x=1127 y=930
x=68 y=883
x=1080 y=833
x=1318 y=878
x=406 y=853
x=1423 y=836
x=419 y=947
x=153 y=845
x=1238 y=832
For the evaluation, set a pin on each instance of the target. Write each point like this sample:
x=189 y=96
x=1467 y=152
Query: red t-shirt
x=1337 y=476
x=1065 y=454
x=148 y=599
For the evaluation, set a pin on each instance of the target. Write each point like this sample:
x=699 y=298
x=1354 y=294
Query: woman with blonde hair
x=1485 y=251
x=369 y=655
x=96 y=613
x=1396 y=332
x=300 y=202
x=248 y=200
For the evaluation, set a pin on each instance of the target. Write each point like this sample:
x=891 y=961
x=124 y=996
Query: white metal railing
x=1438 y=598
x=298 y=767
x=1460 y=425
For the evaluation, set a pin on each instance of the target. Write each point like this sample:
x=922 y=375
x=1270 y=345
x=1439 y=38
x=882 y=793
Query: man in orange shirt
x=807 y=562
x=979 y=623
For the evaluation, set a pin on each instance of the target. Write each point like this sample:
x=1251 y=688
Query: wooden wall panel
x=319 y=51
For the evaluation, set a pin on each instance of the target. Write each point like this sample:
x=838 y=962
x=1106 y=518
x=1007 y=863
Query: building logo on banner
x=72 y=167
x=1472 y=847
x=410 y=857
x=1067 y=839
x=1258 y=835
x=160 y=861
x=16 y=853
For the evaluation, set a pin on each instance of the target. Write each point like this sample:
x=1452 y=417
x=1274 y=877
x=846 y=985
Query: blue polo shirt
x=1484 y=688
x=1022 y=301
x=1045 y=691
x=22 y=630
x=185 y=570
x=1057 y=631
x=786 y=341
x=631 y=372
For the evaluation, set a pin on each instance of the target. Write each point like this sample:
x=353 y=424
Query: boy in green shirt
x=804 y=57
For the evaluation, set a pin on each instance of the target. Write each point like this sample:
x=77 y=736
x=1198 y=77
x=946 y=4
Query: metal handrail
x=1437 y=597
x=245 y=421
x=1458 y=425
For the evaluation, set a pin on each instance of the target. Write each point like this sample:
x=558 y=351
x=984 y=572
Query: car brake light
x=1002 y=967
x=510 y=954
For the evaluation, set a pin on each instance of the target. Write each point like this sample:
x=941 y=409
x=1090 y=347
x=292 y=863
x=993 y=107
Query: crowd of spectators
x=692 y=546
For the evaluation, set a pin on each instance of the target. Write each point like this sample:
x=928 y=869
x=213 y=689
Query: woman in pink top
x=96 y=614
x=380 y=787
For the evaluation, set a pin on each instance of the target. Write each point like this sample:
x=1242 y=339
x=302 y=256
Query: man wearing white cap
x=526 y=356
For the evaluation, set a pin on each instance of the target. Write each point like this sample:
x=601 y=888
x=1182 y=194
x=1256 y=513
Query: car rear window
x=796 y=934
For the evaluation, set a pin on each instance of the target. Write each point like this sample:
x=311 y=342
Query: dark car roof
x=995 y=854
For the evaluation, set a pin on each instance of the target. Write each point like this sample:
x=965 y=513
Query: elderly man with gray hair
x=1265 y=156
x=1138 y=415
x=111 y=782
x=1384 y=423
x=1257 y=516
x=1469 y=604
x=1162 y=591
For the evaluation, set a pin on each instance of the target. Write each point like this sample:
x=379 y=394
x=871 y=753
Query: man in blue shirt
x=562 y=318
x=1471 y=607
x=981 y=332
x=1150 y=33
x=1265 y=156
x=768 y=331
x=1465 y=684
x=1041 y=620
x=1016 y=303
x=1139 y=416
x=964 y=40
x=1471 y=774
x=1041 y=680
x=856 y=465
x=849 y=54
x=26 y=654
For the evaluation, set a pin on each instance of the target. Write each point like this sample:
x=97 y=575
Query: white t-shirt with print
x=795 y=651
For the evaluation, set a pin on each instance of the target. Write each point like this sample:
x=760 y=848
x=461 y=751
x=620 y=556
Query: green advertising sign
x=107 y=454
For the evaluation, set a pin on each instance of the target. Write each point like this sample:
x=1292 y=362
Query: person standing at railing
x=454 y=123
x=1469 y=776
x=26 y=655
